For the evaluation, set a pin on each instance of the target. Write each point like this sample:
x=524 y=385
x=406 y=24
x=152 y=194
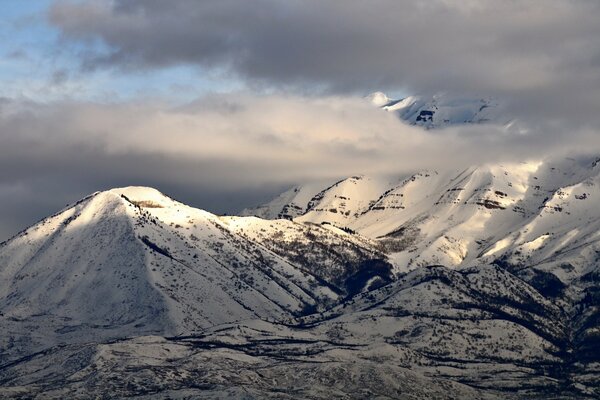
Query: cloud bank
x=224 y=152
x=541 y=56
x=304 y=67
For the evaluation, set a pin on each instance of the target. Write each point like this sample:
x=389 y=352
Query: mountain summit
x=131 y=260
x=379 y=99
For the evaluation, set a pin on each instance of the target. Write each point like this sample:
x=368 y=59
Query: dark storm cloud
x=542 y=54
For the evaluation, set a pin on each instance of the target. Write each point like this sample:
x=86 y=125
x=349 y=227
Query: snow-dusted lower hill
x=435 y=333
x=250 y=361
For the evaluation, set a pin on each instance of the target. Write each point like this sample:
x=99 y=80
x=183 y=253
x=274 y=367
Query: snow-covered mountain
x=479 y=283
x=132 y=260
x=512 y=230
x=537 y=213
x=442 y=110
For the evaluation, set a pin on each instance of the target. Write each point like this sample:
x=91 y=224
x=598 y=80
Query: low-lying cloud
x=224 y=152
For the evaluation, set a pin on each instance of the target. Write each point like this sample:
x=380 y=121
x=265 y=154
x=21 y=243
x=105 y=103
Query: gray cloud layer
x=542 y=56
x=225 y=152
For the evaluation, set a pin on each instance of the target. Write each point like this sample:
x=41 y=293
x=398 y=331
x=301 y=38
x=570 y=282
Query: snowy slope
x=289 y=204
x=512 y=230
x=132 y=260
x=541 y=213
x=434 y=333
x=478 y=283
x=344 y=262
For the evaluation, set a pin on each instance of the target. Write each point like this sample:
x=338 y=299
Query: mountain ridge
x=485 y=206
x=482 y=282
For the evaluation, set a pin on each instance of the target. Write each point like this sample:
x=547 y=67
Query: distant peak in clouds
x=442 y=110
x=378 y=98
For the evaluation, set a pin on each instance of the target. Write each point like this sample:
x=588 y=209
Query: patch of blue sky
x=36 y=65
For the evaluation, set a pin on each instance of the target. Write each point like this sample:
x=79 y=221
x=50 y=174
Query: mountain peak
x=135 y=192
x=378 y=98
x=143 y=196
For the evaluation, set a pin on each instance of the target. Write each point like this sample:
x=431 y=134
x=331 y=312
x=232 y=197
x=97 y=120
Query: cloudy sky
x=223 y=103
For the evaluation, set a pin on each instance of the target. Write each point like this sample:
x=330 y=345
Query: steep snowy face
x=343 y=261
x=84 y=263
x=288 y=205
x=446 y=217
x=344 y=201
